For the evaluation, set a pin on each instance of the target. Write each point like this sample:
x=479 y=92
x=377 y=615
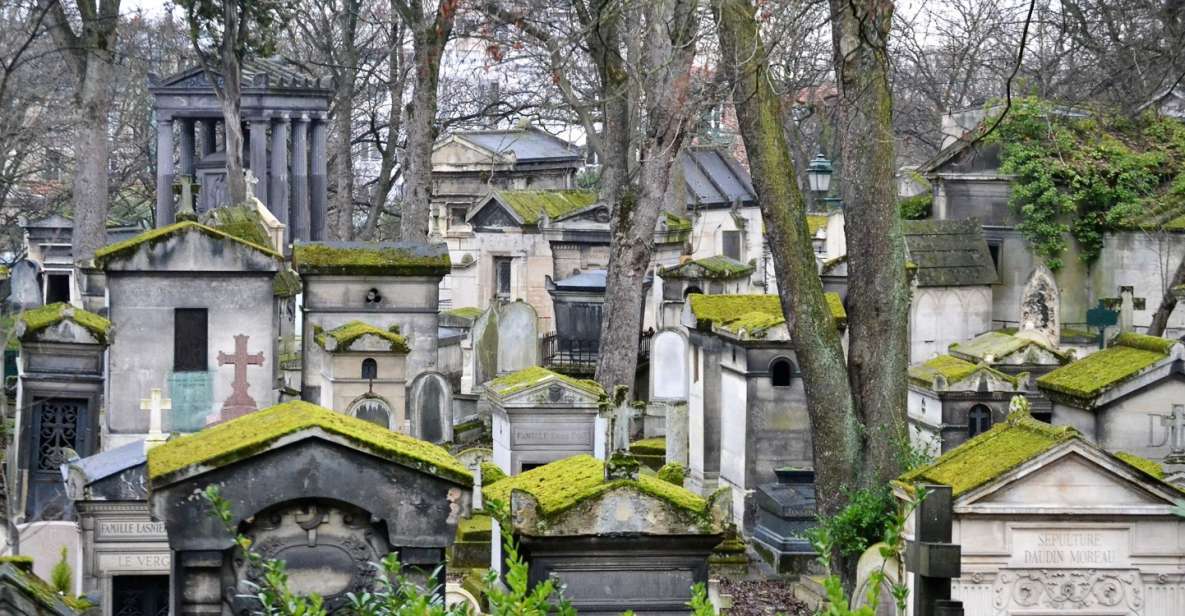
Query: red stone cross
x=240 y=402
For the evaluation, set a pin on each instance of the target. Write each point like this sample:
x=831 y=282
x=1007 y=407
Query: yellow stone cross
x=154 y=404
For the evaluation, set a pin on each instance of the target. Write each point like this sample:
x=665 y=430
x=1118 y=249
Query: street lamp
x=818 y=174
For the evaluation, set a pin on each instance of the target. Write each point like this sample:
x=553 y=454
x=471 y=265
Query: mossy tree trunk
x=668 y=49
x=90 y=54
x=430 y=33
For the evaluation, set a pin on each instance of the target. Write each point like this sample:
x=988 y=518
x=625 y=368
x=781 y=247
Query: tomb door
x=140 y=595
x=60 y=425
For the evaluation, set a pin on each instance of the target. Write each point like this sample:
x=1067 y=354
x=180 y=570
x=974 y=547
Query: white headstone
x=668 y=366
x=24 y=290
x=518 y=337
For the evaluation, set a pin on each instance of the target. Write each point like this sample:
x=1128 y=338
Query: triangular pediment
x=537 y=386
x=494 y=213
x=456 y=151
x=1072 y=478
x=187 y=247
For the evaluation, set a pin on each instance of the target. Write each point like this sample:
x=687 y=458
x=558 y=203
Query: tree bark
x=396 y=82
x=429 y=36
x=230 y=99
x=345 y=71
x=835 y=424
x=1168 y=302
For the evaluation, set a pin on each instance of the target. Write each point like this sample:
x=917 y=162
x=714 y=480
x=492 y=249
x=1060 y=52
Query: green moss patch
x=1145 y=465
x=128 y=247
x=993 y=346
x=753 y=314
x=709 y=268
x=476 y=528
x=491 y=473
x=952 y=369
x=1089 y=377
x=529 y=377
x=357 y=258
x=253 y=433
x=676 y=223
x=672 y=472
x=20 y=574
x=465 y=312
x=564 y=484
x=1004 y=447
x=530 y=205
x=649 y=446
x=286 y=283
x=815 y=223
x=241 y=221
x=38 y=319
x=351 y=332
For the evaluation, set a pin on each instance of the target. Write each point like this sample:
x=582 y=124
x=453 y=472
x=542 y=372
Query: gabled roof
x=528 y=144
x=108 y=463
x=371 y=258
x=36 y=320
x=714 y=179
x=254 y=433
x=129 y=247
x=339 y=339
x=994 y=347
x=718 y=267
x=949 y=253
x=529 y=206
x=589 y=280
x=952 y=370
x=532 y=377
x=752 y=314
x=1129 y=356
x=276 y=72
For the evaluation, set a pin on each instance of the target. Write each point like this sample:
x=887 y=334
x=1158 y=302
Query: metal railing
x=576 y=356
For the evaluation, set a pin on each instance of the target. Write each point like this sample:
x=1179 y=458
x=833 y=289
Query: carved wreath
x=1068 y=589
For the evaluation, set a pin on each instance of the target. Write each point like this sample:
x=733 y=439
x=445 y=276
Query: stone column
x=186 y=158
x=164 y=172
x=259 y=157
x=300 y=178
x=278 y=189
x=319 y=190
x=676 y=425
x=209 y=129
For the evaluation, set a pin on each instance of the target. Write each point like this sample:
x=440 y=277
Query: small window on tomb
x=781 y=372
x=502 y=276
x=370 y=369
x=690 y=290
x=456 y=215
x=57 y=288
x=190 y=340
x=979 y=419
x=732 y=244
x=994 y=251
x=374 y=410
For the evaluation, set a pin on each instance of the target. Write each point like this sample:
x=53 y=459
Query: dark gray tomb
x=786 y=511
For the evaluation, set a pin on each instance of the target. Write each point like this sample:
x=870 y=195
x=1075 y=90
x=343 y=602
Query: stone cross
x=240 y=402
x=1128 y=304
x=154 y=404
x=1174 y=435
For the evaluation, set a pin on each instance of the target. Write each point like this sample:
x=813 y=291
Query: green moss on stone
x=523 y=379
x=994 y=346
x=709 y=268
x=38 y=319
x=241 y=221
x=368 y=259
x=649 y=446
x=286 y=283
x=4 y=273
x=491 y=473
x=564 y=484
x=815 y=223
x=673 y=473
x=20 y=573
x=952 y=369
x=22 y=562
x=465 y=312
x=753 y=314
x=476 y=528
x=348 y=334
x=1143 y=464
x=250 y=434
x=530 y=205
x=1098 y=372
x=676 y=222
x=128 y=247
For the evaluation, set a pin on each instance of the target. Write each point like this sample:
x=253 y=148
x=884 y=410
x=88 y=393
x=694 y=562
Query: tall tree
x=223 y=33
x=857 y=405
x=89 y=49
x=430 y=33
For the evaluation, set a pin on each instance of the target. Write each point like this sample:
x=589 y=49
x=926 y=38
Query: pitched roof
x=107 y=463
x=587 y=280
x=36 y=320
x=340 y=338
x=751 y=313
x=1128 y=356
x=952 y=369
x=526 y=144
x=529 y=377
x=713 y=178
x=718 y=267
x=252 y=433
x=371 y=258
x=949 y=253
x=128 y=247
x=278 y=71
x=991 y=347
x=16 y=572
x=530 y=205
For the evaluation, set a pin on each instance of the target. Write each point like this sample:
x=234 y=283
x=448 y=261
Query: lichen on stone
x=491 y=473
x=1091 y=376
x=38 y=319
x=358 y=258
x=464 y=312
x=529 y=377
x=1143 y=464
x=753 y=314
x=345 y=335
x=253 y=433
x=128 y=247
x=530 y=205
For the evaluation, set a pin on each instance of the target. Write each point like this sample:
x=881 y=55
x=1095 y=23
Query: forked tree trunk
x=1168 y=301
x=230 y=99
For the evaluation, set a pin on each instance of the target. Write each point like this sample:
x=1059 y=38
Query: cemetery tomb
x=951 y=400
x=1126 y=396
x=539 y=416
x=1051 y=523
x=617 y=539
x=328 y=493
x=364 y=374
x=786 y=511
x=23 y=593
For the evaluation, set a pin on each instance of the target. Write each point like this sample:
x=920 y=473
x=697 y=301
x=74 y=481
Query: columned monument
x=284 y=114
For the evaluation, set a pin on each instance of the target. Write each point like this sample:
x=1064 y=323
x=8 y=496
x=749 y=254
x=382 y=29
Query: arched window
x=370 y=369
x=690 y=290
x=374 y=410
x=979 y=419
x=781 y=371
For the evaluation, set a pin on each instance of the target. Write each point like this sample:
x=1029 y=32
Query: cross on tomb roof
x=155 y=403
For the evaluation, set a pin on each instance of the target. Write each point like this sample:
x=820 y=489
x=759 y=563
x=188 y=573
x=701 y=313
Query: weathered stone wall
x=1134 y=424
x=474 y=284
x=941 y=316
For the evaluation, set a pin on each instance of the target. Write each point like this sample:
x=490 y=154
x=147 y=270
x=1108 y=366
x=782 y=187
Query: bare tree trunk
x=396 y=81
x=429 y=36
x=230 y=99
x=1168 y=301
x=346 y=54
x=834 y=423
x=878 y=293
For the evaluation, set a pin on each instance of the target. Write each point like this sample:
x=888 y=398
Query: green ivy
x=861 y=523
x=1086 y=176
x=916 y=207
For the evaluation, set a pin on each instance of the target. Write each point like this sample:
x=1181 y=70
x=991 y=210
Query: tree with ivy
x=223 y=33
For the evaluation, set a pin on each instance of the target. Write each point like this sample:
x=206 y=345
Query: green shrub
x=61 y=577
x=916 y=207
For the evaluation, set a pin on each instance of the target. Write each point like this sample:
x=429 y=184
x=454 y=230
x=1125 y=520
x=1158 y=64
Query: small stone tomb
x=1051 y=523
x=327 y=493
x=951 y=400
x=364 y=373
x=786 y=510
x=540 y=416
x=616 y=539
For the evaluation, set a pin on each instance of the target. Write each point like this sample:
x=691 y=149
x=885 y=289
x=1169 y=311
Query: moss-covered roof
x=370 y=258
x=19 y=572
x=560 y=486
x=128 y=247
x=241 y=221
x=464 y=312
x=286 y=283
x=347 y=334
x=752 y=313
x=41 y=318
x=649 y=446
x=994 y=346
x=676 y=222
x=255 y=432
x=987 y=456
x=709 y=268
x=529 y=377
x=952 y=369
x=1088 y=378
x=1144 y=464
x=530 y=205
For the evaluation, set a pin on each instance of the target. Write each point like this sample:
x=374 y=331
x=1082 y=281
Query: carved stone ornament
x=1069 y=590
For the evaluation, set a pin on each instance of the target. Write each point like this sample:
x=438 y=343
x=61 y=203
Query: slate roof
x=949 y=253
x=112 y=461
x=1088 y=378
x=526 y=144
x=715 y=179
x=591 y=279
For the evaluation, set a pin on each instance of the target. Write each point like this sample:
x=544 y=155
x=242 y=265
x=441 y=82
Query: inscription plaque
x=538 y=436
x=129 y=530
x=1070 y=548
x=134 y=561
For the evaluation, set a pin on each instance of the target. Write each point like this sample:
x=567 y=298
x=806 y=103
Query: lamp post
x=818 y=175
